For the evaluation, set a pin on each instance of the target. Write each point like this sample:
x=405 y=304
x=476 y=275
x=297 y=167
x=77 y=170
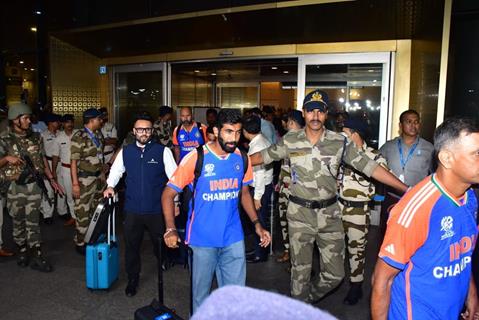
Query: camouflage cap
x=17 y=109
x=316 y=100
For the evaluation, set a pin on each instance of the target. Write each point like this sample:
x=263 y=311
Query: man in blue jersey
x=424 y=265
x=189 y=135
x=214 y=230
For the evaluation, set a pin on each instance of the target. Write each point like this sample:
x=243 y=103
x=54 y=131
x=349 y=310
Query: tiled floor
x=29 y=294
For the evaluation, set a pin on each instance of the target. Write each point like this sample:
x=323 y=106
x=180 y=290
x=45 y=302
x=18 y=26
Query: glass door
x=138 y=88
x=358 y=85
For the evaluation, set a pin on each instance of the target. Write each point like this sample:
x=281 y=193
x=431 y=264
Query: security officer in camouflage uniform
x=295 y=121
x=24 y=195
x=163 y=128
x=87 y=161
x=315 y=155
x=356 y=191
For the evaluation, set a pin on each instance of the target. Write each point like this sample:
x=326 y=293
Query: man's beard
x=145 y=141
x=225 y=147
x=186 y=122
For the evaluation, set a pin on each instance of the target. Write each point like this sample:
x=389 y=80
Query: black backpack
x=187 y=194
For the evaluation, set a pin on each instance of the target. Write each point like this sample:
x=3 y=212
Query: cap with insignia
x=316 y=100
x=91 y=113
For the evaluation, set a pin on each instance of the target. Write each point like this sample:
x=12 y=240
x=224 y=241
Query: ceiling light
x=342 y=90
x=370 y=70
x=21 y=62
x=341 y=99
x=196 y=71
x=33 y=29
x=274 y=68
x=141 y=90
x=31 y=69
x=285 y=71
x=25 y=69
x=213 y=74
x=38 y=12
x=375 y=80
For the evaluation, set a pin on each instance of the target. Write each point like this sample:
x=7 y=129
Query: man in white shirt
x=262 y=181
x=148 y=165
x=48 y=137
x=61 y=165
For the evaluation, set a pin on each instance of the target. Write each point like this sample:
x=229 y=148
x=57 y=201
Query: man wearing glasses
x=148 y=165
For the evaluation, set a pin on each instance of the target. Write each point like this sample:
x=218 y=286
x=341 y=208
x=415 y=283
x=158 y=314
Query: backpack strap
x=198 y=169
x=245 y=157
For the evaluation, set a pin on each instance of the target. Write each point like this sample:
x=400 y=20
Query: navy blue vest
x=146 y=178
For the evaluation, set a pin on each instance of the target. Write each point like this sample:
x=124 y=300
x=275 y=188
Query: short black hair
x=252 y=124
x=164 y=110
x=209 y=129
x=405 y=113
x=143 y=115
x=228 y=116
x=269 y=109
x=450 y=130
x=211 y=111
x=256 y=111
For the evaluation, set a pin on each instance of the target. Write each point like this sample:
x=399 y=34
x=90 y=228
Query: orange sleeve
x=407 y=230
x=248 y=176
x=203 y=130
x=185 y=173
x=175 y=140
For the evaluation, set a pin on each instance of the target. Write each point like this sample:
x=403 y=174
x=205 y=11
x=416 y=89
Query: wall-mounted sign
x=102 y=70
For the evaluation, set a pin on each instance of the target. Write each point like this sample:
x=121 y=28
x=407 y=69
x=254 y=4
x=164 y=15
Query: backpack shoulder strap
x=178 y=133
x=199 y=164
x=203 y=134
x=245 y=157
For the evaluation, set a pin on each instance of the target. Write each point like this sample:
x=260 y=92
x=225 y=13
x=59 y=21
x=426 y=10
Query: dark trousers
x=264 y=218
x=134 y=227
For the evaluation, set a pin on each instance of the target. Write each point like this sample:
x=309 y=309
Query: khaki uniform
x=23 y=195
x=358 y=191
x=48 y=139
x=163 y=131
x=90 y=162
x=283 y=200
x=314 y=170
x=109 y=131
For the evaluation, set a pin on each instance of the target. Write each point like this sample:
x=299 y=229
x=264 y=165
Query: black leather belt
x=313 y=204
x=85 y=174
x=354 y=204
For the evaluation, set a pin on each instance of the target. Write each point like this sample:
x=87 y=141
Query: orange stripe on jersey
x=411 y=211
x=408 y=291
x=412 y=196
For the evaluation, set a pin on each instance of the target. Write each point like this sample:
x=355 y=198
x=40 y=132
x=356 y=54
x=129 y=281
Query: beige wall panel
x=402 y=81
x=76 y=84
x=356 y=46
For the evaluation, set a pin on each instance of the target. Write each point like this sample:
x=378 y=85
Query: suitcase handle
x=111 y=216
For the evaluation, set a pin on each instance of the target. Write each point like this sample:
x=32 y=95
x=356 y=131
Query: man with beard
x=148 y=165
x=214 y=230
x=189 y=135
x=315 y=155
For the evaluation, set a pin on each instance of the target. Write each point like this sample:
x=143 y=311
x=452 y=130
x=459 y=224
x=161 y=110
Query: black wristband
x=255 y=221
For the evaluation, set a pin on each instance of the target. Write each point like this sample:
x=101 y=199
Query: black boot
x=355 y=293
x=131 y=287
x=38 y=261
x=22 y=258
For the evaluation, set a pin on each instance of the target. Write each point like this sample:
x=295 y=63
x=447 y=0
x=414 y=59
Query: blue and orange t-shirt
x=430 y=237
x=215 y=220
x=189 y=140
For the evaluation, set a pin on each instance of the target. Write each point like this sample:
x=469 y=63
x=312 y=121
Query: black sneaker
x=355 y=293
x=39 y=263
x=22 y=258
x=131 y=287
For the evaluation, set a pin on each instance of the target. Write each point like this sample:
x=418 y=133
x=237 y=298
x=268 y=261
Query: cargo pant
x=323 y=227
x=90 y=194
x=356 y=224
x=283 y=209
x=23 y=203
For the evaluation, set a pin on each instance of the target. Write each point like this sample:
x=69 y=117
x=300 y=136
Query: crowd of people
x=208 y=185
